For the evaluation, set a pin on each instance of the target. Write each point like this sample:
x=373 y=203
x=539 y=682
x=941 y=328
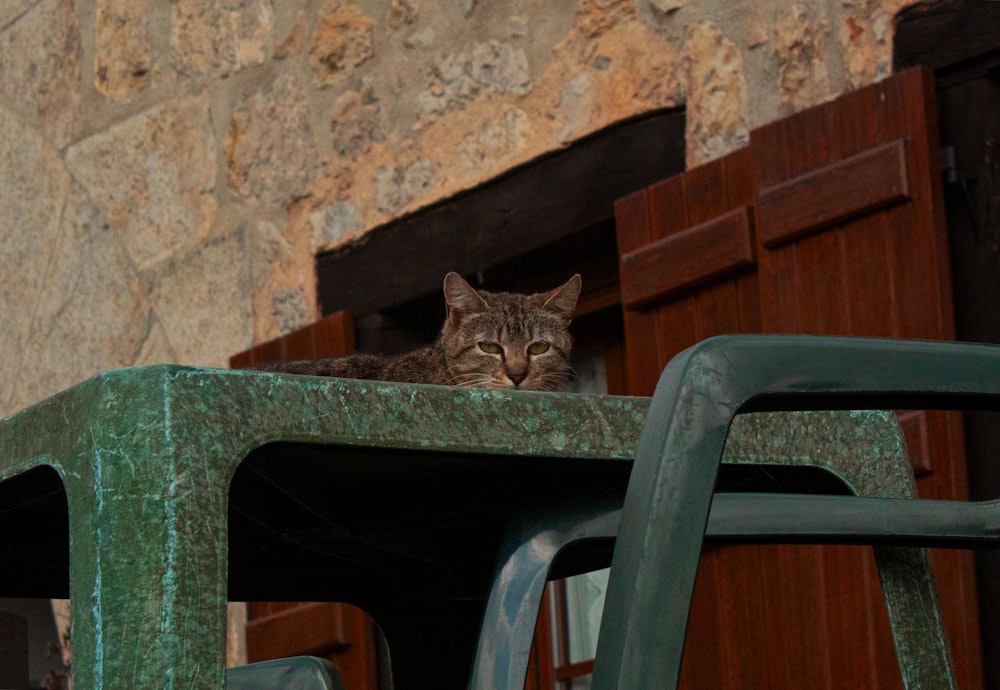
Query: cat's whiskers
x=568 y=375
x=472 y=379
x=553 y=380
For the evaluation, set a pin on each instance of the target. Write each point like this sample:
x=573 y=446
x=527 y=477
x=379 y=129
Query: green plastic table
x=118 y=493
x=153 y=495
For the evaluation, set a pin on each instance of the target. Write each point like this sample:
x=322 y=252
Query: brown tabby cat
x=489 y=340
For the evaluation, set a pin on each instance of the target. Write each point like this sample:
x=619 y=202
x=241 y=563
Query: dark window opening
x=527 y=230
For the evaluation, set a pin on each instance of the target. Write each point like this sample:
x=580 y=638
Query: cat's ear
x=563 y=299
x=461 y=298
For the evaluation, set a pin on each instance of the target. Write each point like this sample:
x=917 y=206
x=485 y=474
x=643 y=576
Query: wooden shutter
x=342 y=633
x=830 y=222
x=332 y=336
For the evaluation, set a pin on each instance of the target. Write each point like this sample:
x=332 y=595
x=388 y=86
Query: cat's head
x=504 y=340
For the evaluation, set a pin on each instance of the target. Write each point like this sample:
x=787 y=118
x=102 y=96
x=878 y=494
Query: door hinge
x=959 y=184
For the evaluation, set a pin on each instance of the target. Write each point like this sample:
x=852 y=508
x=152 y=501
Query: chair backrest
x=681 y=446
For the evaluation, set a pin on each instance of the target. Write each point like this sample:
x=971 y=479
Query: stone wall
x=169 y=169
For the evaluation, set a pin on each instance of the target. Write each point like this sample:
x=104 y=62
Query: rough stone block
x=90 y=315
x=334 y=223
x=269 y=145
x=401 y=13
x=493 y=67
x=800 y=46
x=153 y=175
x=595 y=17
x=33 y=192
x=220 y=39
x=395 y=187
x=296 y=41
x=202 y=300
x=341 y=41
x=503 y=135
x=354 y=123
x=717 y=95
x=40 y=66
x=866 y=39
x=123 y=58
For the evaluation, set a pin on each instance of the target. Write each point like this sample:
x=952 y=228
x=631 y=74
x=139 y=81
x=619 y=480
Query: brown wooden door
x=829 y=222
x=342 y=633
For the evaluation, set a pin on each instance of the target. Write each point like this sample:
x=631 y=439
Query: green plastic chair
x=293 y=673
x=846 y=445
x=700 y=392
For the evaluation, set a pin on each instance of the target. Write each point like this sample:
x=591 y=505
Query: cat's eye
x=538 y=347
x=490 y=348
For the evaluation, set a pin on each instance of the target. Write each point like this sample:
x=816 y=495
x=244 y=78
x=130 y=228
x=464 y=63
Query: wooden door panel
x=699 y=254
x=827 y=196
x=886 y=257
x=861 y=123
x=695 y=274
x=708 y=668
x=331 y=336
x=340 y=633
x=315 y=628
x=844 y=207
x=687 y=248
x=634 y=229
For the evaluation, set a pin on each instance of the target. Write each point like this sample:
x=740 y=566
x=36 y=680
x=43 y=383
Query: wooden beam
x=530 y=207
x=948 y=35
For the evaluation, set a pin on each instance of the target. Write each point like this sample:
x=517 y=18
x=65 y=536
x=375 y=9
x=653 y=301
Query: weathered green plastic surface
x=642 y=633
x=147 y=454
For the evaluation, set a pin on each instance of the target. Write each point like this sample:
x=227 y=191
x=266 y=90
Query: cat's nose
x=517 y=374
